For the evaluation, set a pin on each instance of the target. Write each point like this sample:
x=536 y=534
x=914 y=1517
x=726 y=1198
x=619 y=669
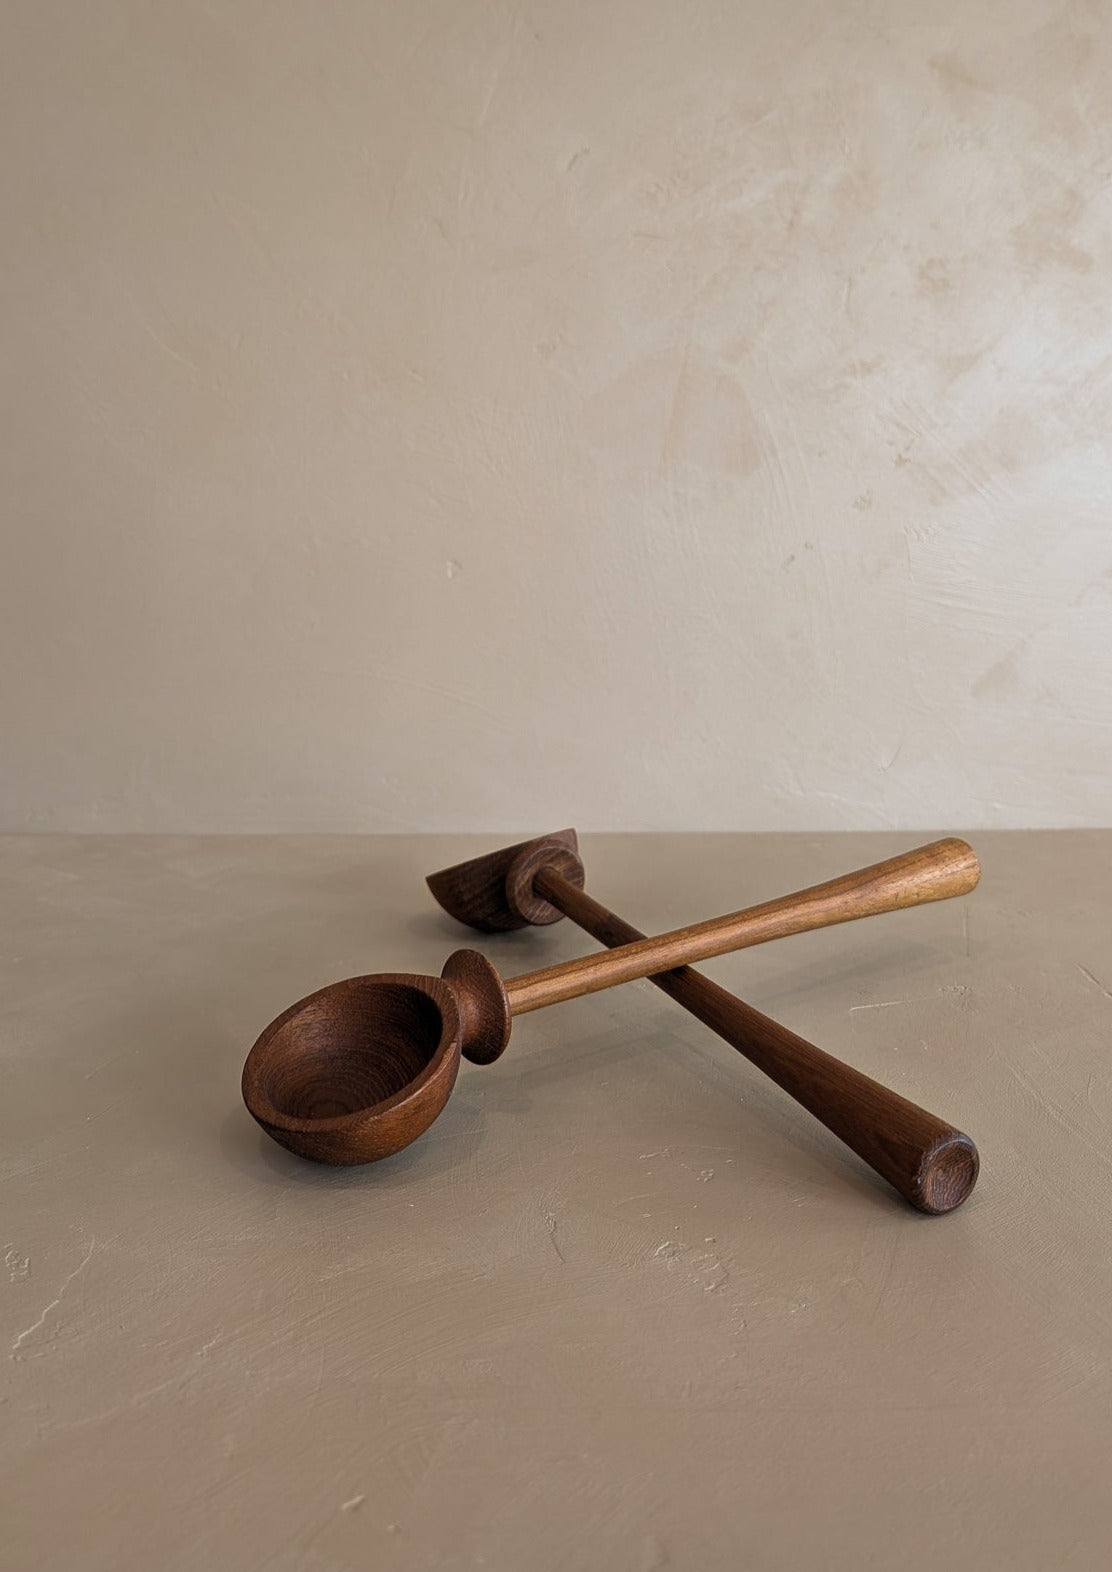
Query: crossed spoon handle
x=934 y=872
x=931 y=1164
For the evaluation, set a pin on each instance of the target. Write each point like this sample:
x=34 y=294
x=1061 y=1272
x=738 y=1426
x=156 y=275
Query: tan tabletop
x=625 y=1305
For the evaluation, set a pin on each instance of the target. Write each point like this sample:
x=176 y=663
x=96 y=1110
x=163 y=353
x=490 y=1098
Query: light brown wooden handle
x=931 y=1164
x=929 y=873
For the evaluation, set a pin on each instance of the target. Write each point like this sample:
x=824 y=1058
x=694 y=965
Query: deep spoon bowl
x=357 y=1070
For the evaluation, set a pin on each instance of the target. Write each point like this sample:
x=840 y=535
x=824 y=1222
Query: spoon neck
x=483 y=1004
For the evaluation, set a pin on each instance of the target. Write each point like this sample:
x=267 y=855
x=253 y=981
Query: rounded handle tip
x=960 y=865
x=946 y=1176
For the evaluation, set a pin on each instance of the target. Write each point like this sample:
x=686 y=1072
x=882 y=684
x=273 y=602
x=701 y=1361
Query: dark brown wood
x=931 y=1164
x=358 y=1070
x=494 y=892
x=484 y=1005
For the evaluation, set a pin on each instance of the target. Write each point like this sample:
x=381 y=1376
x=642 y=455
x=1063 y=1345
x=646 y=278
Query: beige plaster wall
x=478 y=415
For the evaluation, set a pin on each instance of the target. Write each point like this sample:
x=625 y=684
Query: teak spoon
x=933 y=1165
x=358 y=1070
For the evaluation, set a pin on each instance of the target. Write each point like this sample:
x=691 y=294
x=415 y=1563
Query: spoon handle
x=929 y=873
x=930 y=1163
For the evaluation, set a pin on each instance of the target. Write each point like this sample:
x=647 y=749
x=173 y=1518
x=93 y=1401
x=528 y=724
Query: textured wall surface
x=473 y=415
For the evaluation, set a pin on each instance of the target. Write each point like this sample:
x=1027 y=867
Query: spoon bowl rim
x=425 y=1082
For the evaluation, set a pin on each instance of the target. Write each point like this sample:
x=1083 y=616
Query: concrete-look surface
x=679 y=415
x=624 y=1306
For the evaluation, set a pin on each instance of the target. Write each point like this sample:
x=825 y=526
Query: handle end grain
x=946 y=1176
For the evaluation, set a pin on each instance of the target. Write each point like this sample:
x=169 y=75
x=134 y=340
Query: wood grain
x=494 y=892
x=358 y=1070
x=934 y=872
x=931 y=1164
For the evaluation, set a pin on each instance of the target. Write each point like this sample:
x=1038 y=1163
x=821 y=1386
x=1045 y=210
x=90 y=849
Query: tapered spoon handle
x=930 y=1163
x=929 y=873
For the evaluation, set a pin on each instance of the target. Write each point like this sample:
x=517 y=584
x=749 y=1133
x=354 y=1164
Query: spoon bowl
x=357 y=1070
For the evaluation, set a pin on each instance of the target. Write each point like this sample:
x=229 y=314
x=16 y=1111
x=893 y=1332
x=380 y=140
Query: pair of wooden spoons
x=358 y=1070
